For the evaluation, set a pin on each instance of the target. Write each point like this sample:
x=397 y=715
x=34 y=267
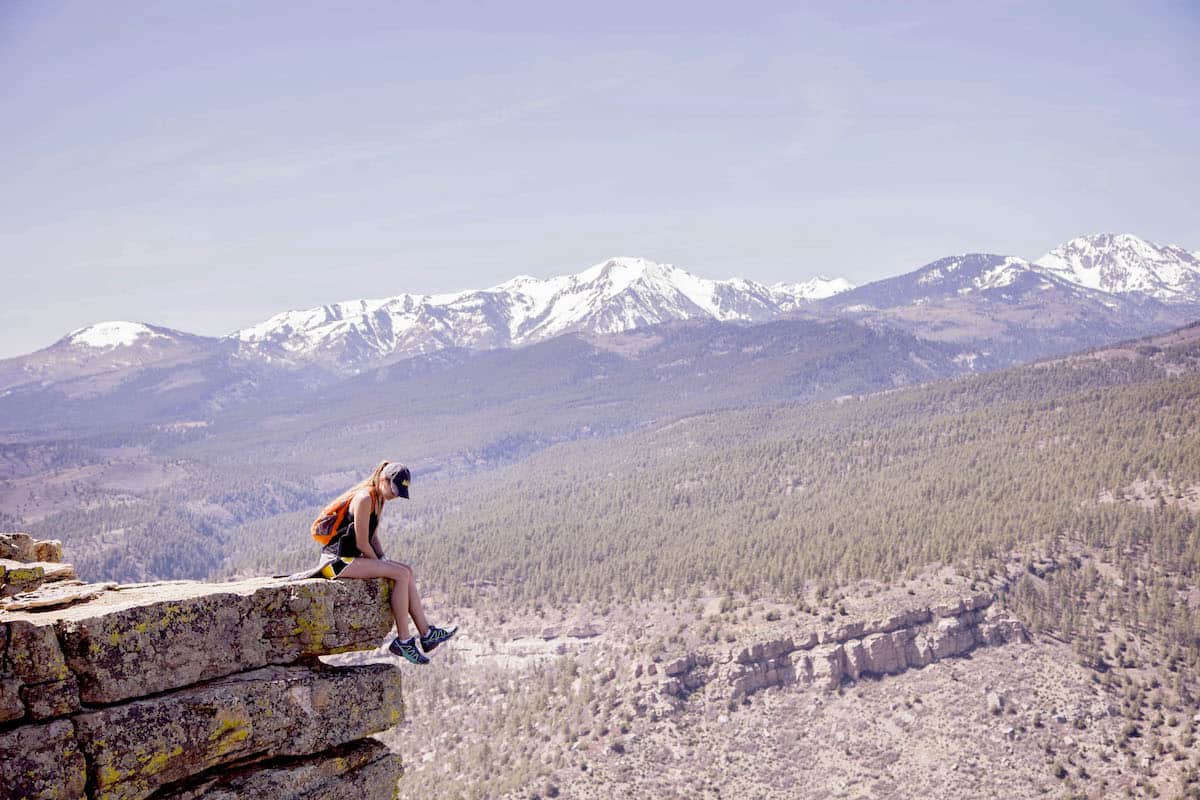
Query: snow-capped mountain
x=1011 y=308
x=1123 y=264
x=981 y=275
x=791 y=296
x=109 y=335
x=1099 y=285
x=120 y=372
x=1105 y=268
x=107 y=348
x=612 y=296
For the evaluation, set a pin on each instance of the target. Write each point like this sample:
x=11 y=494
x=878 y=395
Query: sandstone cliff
x=179 y=690
x=888 y=645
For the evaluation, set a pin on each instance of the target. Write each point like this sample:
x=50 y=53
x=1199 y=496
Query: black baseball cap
x=400 y=477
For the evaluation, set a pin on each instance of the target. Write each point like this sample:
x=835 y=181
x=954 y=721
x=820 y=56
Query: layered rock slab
x=153 y=687
x=42 y=761
x=365 y=768
x=139 y=640
x=26 y=563
x=877 y=646
x=23 y=547
x=34 y=679
x=135 y=748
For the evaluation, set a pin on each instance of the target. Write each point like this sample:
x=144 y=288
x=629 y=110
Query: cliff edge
x=182 y=689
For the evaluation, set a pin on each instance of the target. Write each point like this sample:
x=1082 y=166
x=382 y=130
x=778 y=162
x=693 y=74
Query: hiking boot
x=435 y=636
x=407 y=649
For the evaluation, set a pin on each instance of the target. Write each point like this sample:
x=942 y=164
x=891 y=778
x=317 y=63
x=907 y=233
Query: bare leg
x=415 y=609
x=414 y=605
x=401 y=577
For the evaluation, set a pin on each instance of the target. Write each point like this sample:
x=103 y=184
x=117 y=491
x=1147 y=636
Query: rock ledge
x=182 y=689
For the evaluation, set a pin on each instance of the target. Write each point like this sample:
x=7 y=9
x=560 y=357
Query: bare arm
x=362 y=507
x=377 y=546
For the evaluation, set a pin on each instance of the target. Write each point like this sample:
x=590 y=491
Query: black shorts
x=335 y=567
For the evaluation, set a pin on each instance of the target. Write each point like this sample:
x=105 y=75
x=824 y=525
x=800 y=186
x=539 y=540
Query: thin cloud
x=303 y=162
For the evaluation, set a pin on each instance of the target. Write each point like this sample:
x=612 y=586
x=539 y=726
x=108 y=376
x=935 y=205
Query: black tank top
x=344 y=543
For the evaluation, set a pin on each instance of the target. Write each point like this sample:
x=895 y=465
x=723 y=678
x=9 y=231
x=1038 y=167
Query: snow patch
x=614 y=295
x=934 y=275
x=107 y=335
x=1123 y=263
x=817 y=288
x=967 y=359
x=1003 y=274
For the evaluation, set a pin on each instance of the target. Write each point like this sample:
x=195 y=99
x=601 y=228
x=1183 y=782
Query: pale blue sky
x=204 y=165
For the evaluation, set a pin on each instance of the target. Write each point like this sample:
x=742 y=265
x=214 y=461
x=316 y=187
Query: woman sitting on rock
x=353 y=551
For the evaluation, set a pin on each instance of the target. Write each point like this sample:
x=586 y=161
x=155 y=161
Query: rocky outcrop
x=25 y=549
x=26 y=564
x=826 y=659
x=349 y=772
x=185 y=689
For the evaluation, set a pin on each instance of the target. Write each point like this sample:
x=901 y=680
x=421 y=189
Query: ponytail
x=371 y=484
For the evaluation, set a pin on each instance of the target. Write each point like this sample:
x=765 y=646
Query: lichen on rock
x=185 y=689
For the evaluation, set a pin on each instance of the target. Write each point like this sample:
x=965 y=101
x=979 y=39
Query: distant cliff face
x=179 y=690
x=888 y=645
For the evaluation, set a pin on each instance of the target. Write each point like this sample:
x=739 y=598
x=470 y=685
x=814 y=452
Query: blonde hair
x=370 y=484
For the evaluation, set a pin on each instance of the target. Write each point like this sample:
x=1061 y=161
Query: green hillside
x=1095 y=454
x=771 y=501
x=178 y=499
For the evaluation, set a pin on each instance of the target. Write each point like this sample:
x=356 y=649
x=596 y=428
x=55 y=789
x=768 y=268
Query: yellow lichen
x=313 y=624
x=174 y=612
x=229 y=733
x=226 y=725
x=25 y=574
x=152 y=765
x=108 y=775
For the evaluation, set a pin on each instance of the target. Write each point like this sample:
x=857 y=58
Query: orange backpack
x=326 y=526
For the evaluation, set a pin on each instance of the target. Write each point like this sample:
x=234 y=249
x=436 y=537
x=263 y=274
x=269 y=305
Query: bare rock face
x=856 y=659
x=56 y=595
x=17 y=577
x=886 y=645
x=34 y=679
x=182 y=687
x=883 y=658
x=951 y=637
x=24 y=548
x=27 y=563
x=114 y=644
x=827 y=669
x=134 y=641
x=365 y=768
x=139 y=746
x=42 y=761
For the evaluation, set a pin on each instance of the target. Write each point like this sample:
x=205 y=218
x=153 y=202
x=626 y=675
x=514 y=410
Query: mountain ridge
x=1123 y=263
x=1088 y=290
x=614 y=295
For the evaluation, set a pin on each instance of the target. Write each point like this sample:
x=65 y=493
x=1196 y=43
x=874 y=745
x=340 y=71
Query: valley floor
x=579 y=704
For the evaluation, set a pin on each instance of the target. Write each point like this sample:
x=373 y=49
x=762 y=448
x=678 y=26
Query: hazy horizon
x=204 y=167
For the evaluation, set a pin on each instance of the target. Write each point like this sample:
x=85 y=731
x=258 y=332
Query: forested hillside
x=161 y=500
x=1095 y=454
x=607 y=477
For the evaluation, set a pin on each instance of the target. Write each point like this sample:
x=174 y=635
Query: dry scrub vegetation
x=1088 y=463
